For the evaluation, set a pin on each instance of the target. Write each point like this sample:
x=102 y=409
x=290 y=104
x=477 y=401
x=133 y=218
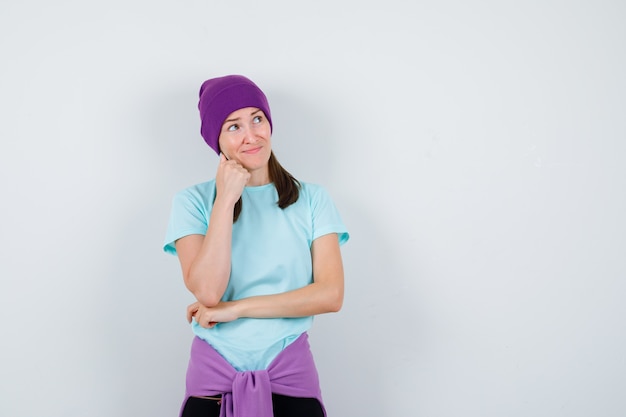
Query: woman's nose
x=249 y=136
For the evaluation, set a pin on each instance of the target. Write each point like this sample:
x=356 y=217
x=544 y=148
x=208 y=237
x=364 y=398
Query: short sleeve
x=326 y=218
x=189 y=215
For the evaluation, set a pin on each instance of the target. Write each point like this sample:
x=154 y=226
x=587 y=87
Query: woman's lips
x=253 y=150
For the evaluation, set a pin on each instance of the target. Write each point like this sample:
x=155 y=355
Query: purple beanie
x=221 y=96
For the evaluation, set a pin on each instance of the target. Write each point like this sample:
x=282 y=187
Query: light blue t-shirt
x=271 y=253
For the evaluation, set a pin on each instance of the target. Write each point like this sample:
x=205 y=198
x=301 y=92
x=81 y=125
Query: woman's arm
x=205 y=260
x=324 y=295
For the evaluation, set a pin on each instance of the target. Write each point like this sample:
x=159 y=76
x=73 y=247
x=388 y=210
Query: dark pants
x=284 y=406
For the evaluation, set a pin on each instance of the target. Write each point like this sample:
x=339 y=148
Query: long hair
x=287 y=186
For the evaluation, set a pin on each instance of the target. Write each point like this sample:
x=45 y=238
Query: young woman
x=259 y=250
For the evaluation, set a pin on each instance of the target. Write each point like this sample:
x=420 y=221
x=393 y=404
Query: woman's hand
x=230 y=179
x=208 y=317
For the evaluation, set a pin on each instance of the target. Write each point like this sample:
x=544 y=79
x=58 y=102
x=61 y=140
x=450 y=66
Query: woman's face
x=246 y=138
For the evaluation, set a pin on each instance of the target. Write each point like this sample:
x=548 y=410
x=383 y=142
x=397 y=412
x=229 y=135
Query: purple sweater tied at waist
x=249 y=393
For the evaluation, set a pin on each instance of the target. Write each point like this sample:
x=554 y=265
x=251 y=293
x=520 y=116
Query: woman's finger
x=192 y=309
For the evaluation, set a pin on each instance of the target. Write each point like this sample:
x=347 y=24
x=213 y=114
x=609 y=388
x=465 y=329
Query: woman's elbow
x=335 y=307
x=334 y=301
x=203 y=293
x=207 y=298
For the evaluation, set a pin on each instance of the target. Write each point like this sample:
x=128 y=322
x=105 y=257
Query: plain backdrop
x=475 y=150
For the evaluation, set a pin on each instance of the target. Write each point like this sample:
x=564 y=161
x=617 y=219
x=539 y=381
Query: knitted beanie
x=221 y=96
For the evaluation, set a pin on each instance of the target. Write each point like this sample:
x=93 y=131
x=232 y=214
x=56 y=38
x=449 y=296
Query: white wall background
x=475 y=149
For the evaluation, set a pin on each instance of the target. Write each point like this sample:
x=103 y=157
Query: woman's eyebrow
x=237 y=118
x=231 y=120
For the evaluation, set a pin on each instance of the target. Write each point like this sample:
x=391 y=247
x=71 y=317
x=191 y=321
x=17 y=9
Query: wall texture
x=475 y=150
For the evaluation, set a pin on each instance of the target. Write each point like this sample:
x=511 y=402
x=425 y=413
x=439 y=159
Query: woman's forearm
x=208 y=273
x=316 y=298
x=324 y=295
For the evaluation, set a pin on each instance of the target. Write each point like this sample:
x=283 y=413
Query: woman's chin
x=254 y=161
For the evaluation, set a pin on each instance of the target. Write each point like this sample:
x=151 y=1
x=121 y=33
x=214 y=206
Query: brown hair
x=287 y=185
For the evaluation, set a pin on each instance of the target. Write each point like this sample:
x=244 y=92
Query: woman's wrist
x=225 y=203
x=237 y=307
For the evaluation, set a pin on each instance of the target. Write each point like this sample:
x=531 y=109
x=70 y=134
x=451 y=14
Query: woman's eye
x=257 y=119
x=232 y=128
